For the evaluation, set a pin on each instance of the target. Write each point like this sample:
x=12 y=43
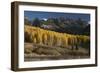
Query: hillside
x=41 y=44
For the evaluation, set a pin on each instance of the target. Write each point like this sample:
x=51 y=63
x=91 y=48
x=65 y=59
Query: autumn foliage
x=51 y=38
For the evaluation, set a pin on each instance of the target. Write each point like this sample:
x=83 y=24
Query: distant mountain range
x=64 y=25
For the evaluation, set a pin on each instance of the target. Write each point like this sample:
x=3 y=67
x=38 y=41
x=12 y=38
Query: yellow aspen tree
x=44 y=39
x=55 y=40
x=58 y=39
x=39 y=39
x=50 y=38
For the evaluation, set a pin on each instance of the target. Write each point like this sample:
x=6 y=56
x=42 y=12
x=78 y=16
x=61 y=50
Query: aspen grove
x=40 y=36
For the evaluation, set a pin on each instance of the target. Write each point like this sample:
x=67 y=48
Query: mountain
x=64 y=25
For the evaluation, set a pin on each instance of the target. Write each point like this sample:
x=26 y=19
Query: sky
x=45 y=15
